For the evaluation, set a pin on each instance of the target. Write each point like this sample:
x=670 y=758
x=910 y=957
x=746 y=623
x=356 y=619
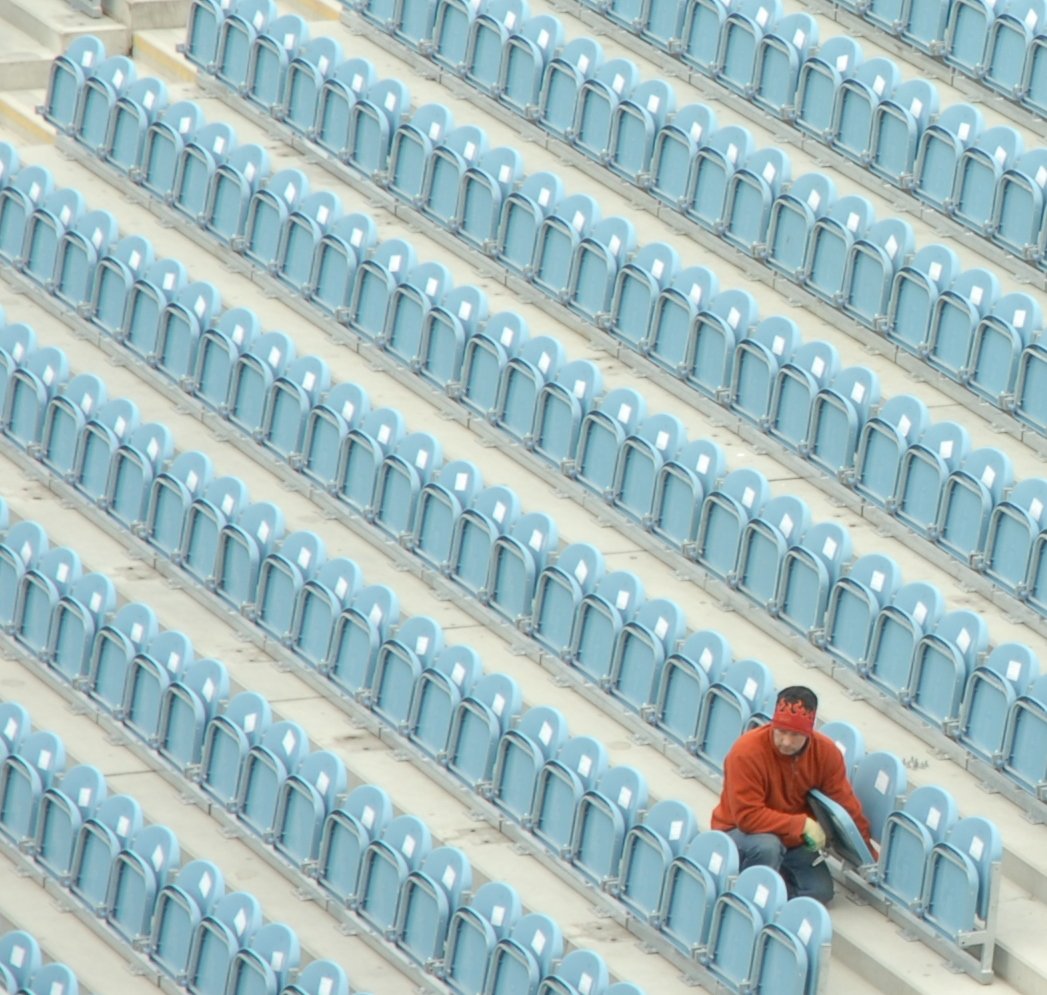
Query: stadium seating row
x=22 y=968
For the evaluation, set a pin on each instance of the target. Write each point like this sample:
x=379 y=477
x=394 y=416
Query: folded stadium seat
x=882 y=443
x=1007 y=44
x=674 y=315
x=437 y=693
x=599 y=618
x=384 y=866
x=792 y=951
x=849 y=741
x=657 y=439
x=556 y=242
x=709 y=354
x=289 y=399
x=757 y=359
x=25 y=774
x=525 y=55
x=17 y=343
x=474 y=929
x=443 y=169
x=968 y=497
x=220 y=501
x=64 y=806
x=580 y=968
x=307 y=70
x=375 y=283
x=720 y=153
x=68 y=73
x=536 y=363
x=992 y=689
x=112 y=280
x=781 y=522
x=639 y=282
x=15 y=725
x=838 y=413
x=410 y=300
x=479 y=722
x=739 y=915
x=999 y=340
x=154 y=668
x=364 y=447
x=925 y=467
x=604 y=815
x=167 y=135
x=399 y=663
x=560 y=407
x=116 y=644
x=319 y=603
x=680 y=487
x=725 y=511
x=319 y=977
x=558 y=593
x=271 y=54
x=300 y=233
x=101 y=836
x=19 y=197
x=306 y=798
x=743 y=28
x=54 y=977
x=807 y=574
x=132 y=468
x=916 y=609
x=873 y=259
x=348 y=830
x=819 y=83
x=331 y=124
x=172 y=492
x=242 y=25
x=942 y=664
x=916 y=286
x=673 y=158
x=372 y=121
x=635 y=122
x=598 y=96
x=780 y=51
x=908 y=836
x=20 y=958
x=493 y=512
x=180 y=905
x=640 y=651
x=348 y=240
x=44 y=229
x=961 y=876
x=521 y=959
x=187 y=707
x=203 y=27
x=595 y=264
x=832 y=235
x=40 y=588
x=1024 y=738
x=446 y=329
x=966 y=33
x=1017 y=218
x=978 y=173
x=649 y=850
x=791 y=222
x=147 y=299
x=79 y=249
x=75 y=618
x=428 y=897
x=702 y=27
x=898 y=122
x=29 y=390
x=751 y=191
x=227 y=928
x=65 y=417
x=517 y=558
x=1014 y=524
x=565 y=74
x=489 y=32
x=412 y=145
x=266 y=766
x=744 y=690
x=943 y=144
x=452 y=488
x=523 y=214
x=414 y=24
x=225 y=739
x=281 y=578
x=860 y=92
x=251 y=378
x=798 y=382
x=1030 y=92
x=452 y=23
x=521 y=754
x=137 y=874
x=358 y=633
x=484 y=359
x=109 y=80
x=879 y=782
x=482 y=191
x=267 y=216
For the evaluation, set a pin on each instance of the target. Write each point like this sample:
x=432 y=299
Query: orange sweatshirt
x=766 y=792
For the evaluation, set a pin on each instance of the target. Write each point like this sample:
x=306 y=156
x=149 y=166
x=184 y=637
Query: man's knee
x=761 y=848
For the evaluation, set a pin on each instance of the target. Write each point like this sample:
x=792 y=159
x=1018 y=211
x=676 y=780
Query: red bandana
x=792 y=715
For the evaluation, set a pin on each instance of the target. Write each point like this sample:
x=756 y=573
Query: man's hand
x=813 y=835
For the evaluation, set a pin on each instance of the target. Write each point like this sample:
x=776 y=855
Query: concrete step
x=54 y=24
x=138 y=15
x=24 y=62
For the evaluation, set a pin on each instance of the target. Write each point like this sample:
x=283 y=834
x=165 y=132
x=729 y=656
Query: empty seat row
x=386 y=475
x=22 y=968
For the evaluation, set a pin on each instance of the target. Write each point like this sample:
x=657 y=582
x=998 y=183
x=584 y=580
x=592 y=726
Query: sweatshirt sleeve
x=749 y=802
x=837 y=786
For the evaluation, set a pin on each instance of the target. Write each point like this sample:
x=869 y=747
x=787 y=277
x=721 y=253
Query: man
x=763 y=806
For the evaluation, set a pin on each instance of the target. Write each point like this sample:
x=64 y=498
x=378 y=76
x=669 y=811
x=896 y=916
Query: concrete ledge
x=54 y=24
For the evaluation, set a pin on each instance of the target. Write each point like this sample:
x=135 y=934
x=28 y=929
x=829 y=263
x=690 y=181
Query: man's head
x=793 y=720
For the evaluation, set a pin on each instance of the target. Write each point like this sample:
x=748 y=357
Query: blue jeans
x=795 y=864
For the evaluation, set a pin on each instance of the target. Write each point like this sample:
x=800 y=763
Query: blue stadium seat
x=475 y=928
x=693 y=882
x=916 y=287
x=307 y=796
x=685 y=677
x=348 y=831
x=479 y=722
x=855 y=601
x=428 y=897
x=180 y=906
x=358 y=633
x=225 y=742
x=898 y=628
x=820 y=79
x=649 y=849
